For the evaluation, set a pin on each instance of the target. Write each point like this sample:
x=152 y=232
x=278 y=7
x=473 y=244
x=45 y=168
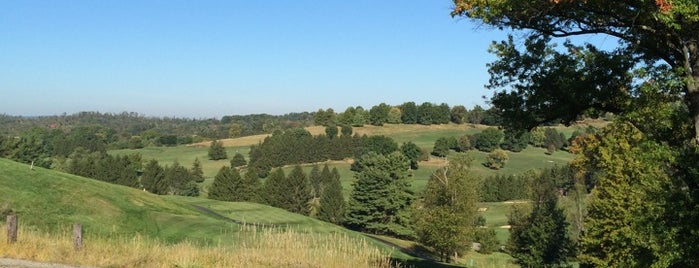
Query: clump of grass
x=266 y=247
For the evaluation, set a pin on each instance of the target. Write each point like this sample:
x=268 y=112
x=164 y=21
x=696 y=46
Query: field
x=423 y=136
x=49 y=202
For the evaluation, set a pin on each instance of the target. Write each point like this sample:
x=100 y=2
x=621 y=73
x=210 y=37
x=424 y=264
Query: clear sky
x=212 y=58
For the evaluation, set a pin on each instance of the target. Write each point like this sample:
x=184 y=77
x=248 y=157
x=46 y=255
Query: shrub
x=497 y=159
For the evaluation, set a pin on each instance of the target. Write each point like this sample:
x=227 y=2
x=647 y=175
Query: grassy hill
x=423 y=136
x=50 y=201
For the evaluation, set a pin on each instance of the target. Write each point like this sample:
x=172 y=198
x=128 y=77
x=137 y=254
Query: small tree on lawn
x=332 y=202
x=497 y=159
x=238 y=160
x=197 y=172
x=216 y=151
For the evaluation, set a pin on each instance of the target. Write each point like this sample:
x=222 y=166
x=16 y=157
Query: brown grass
x=368 y=130
x=271 y=248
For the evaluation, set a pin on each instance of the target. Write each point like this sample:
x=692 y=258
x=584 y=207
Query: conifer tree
x=297 y=191
x=251 y=186
x=540 y=239
x=216 y=151
x=273 y=189
x=226 y=185
x=238 y=160
x=316 y=180
x=332 y=202
x=381 y=196
x=153 y=178
x=197 y=172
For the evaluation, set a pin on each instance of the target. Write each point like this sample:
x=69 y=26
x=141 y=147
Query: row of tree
x=317 y=194
x=426 y=113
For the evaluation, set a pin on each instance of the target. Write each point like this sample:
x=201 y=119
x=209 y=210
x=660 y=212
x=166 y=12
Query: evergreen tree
x=178 y=180
x=332 y=202
x=297 y=191
x=412 y=152
x=274 y=188
x=238 y=160
x=315 y=179
x=226 y=185
x=197 y=172
x=381 y=196
x=153 y=178
x=216 y=151
x=540 y=239
x=447 y=214
x=251 y=186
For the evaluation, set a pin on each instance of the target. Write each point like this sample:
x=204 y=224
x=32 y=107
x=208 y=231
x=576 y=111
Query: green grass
x=50 y=201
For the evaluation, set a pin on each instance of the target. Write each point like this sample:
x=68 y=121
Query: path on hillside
x=14 y=263
x=218 y=215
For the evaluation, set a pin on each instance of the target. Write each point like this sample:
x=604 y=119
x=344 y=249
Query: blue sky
x=212 y=58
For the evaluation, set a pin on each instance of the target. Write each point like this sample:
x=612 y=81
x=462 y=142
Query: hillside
x=50 y=201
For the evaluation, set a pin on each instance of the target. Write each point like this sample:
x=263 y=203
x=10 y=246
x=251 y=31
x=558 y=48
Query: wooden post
x=11 y=228
x=77 y=236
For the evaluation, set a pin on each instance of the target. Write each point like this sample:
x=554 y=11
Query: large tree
x=550 y=85
x=332 y=202
x=381 y=196
x=226 y=185
x=446 y=216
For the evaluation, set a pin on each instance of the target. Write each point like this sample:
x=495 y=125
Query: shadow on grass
x=422 y=256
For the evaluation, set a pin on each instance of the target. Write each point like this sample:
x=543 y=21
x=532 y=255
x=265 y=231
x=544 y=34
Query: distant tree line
x=297 y=146
x=426 y=113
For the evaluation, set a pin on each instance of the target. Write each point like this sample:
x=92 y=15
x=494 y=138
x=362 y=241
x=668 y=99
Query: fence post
x=77 y=236
x=11 y=228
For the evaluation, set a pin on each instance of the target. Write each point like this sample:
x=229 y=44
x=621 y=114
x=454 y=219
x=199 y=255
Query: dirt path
x=14 y=263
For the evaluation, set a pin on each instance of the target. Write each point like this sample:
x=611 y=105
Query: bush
x=497 y=159
x=216 y=151
x=488 y=139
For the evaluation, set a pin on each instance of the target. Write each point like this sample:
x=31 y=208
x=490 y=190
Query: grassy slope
x=51 y=201
x=423 y=136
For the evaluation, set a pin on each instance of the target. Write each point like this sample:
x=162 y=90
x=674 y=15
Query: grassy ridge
x=50 y=201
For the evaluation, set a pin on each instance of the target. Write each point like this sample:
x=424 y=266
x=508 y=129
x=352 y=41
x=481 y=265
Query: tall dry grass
x=257 y=247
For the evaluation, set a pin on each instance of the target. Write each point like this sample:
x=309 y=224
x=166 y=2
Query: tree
x=332 y=202
x=394 y=116
x=488 y=140
x=346 y=130
x=458 y=114
x=649 y=32
x=378 y=115
x=447 y=214
x=238 y=160
x=297 y=191
x=273 y=190
x=316 y=180
x=442 y=146
x=425 y=113
x=196 y=171
x=153 y=178
x=515 y=141
x=178 y=179
x=381 y=196
x=331 y=131
x=540 y=239
x=216 y=151
x=226 y=184
x=234 y=130
x=411 y=151
x=410 y=113
x=633 y=217
x=476 y=115
x=324 y=117
x=249 y=191
x=497 y=159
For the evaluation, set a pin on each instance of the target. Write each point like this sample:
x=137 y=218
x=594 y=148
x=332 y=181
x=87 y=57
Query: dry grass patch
x=257 y=247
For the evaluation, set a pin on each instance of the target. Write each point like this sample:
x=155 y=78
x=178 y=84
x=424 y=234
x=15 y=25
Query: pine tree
x=216 y=151
x=315 y=178
x=178 y=180
x=226 y=185
x=381 y=196
x=238 y=160
x=540 y=239
x=250 y=188
x=332 y=202
x=297 y=191
x=153 y=178
x=197 y=172
x=446 y=216
x=273 y=189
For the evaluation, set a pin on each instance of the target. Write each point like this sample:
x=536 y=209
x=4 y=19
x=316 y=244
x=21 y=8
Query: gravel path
x=14 y=263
